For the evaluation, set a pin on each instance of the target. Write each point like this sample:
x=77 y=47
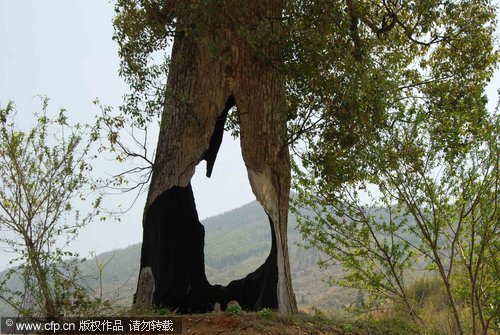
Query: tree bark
x=202 y=86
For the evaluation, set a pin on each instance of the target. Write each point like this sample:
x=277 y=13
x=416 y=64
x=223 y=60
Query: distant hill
x=236 y=243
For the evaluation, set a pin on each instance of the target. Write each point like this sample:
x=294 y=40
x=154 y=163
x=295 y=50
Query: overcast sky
x=63 y=49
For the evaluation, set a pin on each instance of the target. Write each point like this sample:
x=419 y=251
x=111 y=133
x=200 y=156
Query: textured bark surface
x=202 y=86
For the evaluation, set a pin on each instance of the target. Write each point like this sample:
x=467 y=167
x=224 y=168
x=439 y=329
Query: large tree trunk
x=203 y=85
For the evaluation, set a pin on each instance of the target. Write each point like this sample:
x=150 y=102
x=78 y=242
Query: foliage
x=432 y=303
x=390 y=113
x=347 y=64
x=440 y=187
x=386 y=109
x=140 y=35
x=165 y=312
x=265 y=313
x=43 y=172
x=353 y=68
x=144 y=32
x=234 y=308
x=427 y=290
x=442 y=209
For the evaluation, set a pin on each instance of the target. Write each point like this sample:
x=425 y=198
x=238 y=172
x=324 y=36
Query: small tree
x=43 y=172
x=475 y=239
x=365 y=239
x=435 y=204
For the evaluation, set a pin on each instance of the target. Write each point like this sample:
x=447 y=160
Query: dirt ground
x=248 y=324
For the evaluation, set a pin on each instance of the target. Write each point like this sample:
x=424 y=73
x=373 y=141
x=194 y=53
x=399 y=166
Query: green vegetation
x=396 y=168
x=319 y=323
x=119 y=280
x=432 y=165
x=441 y=203
x=265 y=313
x=234 y=308
x=43 y=171
x=396 y=156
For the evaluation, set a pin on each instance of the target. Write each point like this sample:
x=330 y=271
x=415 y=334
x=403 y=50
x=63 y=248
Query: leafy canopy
x=351 y=67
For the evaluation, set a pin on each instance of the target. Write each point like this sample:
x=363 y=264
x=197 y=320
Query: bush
x=265 y=313
x=234 y=308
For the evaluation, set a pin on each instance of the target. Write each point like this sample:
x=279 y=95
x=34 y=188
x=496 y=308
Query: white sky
x=63 y=49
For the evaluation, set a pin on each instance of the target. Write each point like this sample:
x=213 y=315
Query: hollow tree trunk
x=203 y=85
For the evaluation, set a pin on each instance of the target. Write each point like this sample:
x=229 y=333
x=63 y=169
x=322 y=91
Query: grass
x=323 y=324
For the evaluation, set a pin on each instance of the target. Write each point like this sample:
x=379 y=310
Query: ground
x=301 y=324
x=247 y=324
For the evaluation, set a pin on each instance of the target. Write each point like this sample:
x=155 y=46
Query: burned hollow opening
x=216 y=139
x=242 y=242
x=173 y=259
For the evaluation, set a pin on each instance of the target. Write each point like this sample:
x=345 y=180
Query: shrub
x=265 y=313
x=234 y=308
